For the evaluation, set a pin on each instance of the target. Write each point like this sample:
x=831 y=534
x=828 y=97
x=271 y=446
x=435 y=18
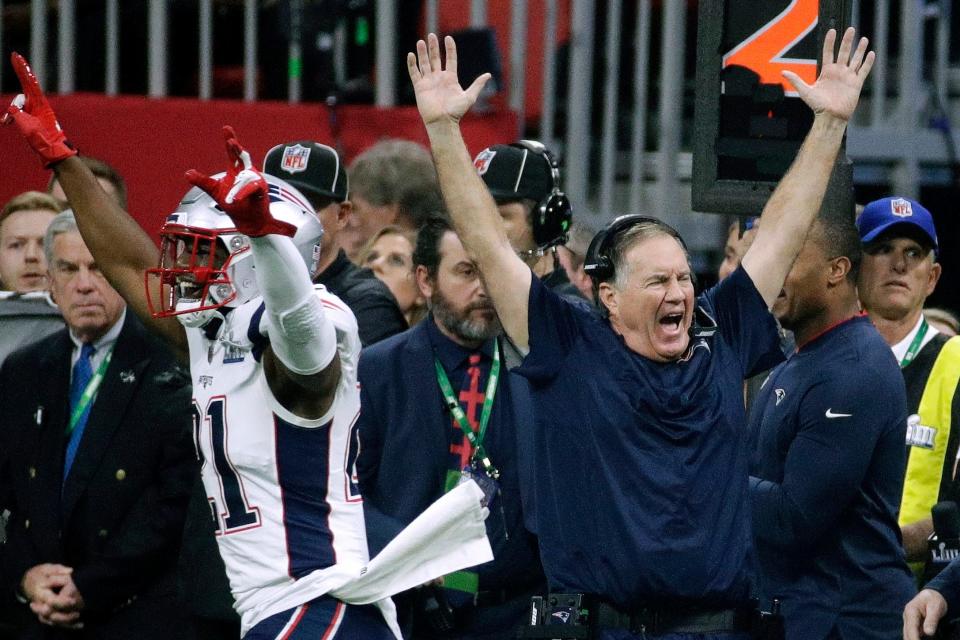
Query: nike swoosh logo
x=831 y=414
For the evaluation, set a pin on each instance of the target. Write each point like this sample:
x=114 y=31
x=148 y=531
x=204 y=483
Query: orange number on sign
x=763 y=51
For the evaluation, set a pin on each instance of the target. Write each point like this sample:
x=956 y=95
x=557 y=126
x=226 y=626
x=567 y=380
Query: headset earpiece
x=597 y=263
x=553 y=215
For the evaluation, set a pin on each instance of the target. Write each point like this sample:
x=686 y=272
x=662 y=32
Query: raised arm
x=122 y=249
x=796 y=201
x=442 y=103
x=301 y=364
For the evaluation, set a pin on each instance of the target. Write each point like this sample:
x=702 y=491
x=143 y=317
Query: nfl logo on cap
x=483 y=159
x=901 y=208
x=295 y=159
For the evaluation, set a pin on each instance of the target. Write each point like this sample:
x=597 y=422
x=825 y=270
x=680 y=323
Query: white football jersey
x=282 y=489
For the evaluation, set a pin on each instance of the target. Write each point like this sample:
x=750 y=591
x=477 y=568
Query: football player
x=273 y=362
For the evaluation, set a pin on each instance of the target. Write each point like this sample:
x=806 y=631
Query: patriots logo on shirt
x=781 y=394
x=563 y=616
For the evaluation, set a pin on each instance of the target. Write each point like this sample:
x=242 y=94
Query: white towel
x=448 y=536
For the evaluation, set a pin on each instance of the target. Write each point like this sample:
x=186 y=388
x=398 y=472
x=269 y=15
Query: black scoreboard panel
x=749 y=122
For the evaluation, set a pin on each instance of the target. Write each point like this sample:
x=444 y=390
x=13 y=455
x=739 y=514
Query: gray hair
x=634 y=235
x=64 y=222
x=398 y=172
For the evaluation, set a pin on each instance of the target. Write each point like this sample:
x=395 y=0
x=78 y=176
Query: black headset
x=598 y=264
x=553 y=215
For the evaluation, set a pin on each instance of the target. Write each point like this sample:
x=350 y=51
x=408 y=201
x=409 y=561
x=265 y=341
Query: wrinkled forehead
x=656 y=254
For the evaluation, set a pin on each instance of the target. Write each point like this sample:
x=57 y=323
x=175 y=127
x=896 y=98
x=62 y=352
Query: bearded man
x=437 y=403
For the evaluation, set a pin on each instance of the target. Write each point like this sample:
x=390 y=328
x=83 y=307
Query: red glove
x=242 y=193
x=34 y=118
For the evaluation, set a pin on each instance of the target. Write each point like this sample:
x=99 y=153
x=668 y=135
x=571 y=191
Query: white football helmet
x=206 y=264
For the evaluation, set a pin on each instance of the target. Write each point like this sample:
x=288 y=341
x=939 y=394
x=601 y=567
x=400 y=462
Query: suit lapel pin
x=127 y=376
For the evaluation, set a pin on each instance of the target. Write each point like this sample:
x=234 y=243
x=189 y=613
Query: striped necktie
x=82 y=374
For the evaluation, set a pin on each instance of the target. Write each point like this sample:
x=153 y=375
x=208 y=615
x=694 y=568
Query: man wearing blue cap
x=899 y=271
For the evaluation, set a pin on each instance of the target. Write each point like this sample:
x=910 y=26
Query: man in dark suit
x=96 y=465
x=413 y=448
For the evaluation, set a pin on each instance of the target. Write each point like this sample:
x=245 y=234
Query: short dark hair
x=427 y=251
x=101 y=169
x=838 y=237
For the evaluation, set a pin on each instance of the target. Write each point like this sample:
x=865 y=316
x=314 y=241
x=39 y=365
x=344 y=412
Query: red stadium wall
x=152 y=142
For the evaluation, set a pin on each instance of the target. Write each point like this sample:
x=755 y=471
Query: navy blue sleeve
x=381 y=528
x=838 y=429
x=553 y=327
x=745 y=322
x=378 y=317
x=947 y=583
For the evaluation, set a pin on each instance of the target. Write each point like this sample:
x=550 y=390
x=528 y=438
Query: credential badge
x=295 y=159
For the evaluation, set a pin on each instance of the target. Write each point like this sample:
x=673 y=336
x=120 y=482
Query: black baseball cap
x=313 y=168
x=514 y=173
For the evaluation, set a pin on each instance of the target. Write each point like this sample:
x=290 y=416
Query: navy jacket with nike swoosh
x=828 y=431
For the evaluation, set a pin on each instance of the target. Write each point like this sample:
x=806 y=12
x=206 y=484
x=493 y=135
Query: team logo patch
x=232 y=354
x=919 y=435
x=562 y=616
x=781 y=394
x=483 y=160
x=901 y=208
x=295 y=159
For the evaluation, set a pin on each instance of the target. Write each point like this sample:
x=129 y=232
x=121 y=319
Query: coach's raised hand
x=35 y=119
x=837 y=89
x=439 y=94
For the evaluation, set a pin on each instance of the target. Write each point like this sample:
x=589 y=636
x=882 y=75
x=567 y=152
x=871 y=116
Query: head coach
x=640 y=464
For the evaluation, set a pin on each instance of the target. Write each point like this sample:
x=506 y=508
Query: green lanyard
x=87 y=397
x=914 y=347
x=476 y=441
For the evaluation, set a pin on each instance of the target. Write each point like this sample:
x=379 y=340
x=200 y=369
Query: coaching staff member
x=641 y=485
x=413 y=448
x=828 y=454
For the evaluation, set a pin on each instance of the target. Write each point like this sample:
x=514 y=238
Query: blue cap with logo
x=880 y=215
